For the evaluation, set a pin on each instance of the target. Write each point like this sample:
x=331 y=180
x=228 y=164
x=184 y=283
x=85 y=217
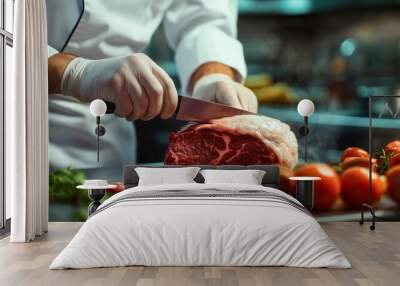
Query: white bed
x=249 y=225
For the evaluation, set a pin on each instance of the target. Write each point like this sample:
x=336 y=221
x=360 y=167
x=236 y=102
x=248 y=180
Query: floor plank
x=375 y=257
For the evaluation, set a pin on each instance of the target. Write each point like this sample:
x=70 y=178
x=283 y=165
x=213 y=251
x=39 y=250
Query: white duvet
x=192 y=231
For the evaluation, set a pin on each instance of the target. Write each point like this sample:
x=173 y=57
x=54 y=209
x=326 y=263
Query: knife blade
x=197 y=110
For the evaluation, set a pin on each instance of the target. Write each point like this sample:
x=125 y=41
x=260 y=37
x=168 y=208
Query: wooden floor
x=375 y=257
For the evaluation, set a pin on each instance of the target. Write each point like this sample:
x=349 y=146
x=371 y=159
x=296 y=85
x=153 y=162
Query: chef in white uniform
x=94 y=52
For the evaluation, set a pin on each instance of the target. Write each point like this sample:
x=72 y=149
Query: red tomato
x=120 y=187
x=327 y=190
x=393 y=183
x=354 y=152
x=355 y=187
x=393 y=147
x=391 y=155
x=394 y=161
x=357 y=162
x=384 y=183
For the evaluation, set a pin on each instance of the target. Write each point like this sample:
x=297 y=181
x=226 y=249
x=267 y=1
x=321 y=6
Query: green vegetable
x=62 y=186
x=384 y=159
x=63 y=192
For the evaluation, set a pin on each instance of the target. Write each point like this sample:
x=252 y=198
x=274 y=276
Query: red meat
x=238 y=140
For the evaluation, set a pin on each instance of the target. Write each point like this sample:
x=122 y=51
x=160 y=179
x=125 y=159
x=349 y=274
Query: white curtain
x=27 y=124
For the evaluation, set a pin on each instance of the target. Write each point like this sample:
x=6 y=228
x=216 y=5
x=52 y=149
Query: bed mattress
x=201 y=225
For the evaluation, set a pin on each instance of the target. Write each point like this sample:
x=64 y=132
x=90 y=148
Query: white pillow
x=164 y=176
x=248 y=177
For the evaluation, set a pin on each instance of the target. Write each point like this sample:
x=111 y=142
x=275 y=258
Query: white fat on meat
x=274 y=133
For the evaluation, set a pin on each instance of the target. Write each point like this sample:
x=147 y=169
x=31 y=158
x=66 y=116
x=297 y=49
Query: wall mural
x=385 y=162
x=312 y=77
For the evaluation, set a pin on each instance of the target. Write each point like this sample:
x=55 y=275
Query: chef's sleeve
x=51 y=51
x=201 y=31
x=62 y=18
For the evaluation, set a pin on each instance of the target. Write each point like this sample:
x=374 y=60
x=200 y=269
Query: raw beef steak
x=237 y=140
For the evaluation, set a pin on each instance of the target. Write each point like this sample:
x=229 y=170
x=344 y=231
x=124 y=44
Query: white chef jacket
x=199 y=31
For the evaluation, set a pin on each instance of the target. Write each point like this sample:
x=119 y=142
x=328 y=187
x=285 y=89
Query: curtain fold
x=27 y=124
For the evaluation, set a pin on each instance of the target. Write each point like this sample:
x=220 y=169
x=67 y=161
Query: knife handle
x=110 y=107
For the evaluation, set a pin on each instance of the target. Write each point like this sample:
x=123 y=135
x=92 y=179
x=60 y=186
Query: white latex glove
x=222 y=89
x=137 y=86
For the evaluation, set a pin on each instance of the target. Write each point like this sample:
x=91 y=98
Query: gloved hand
x=137 y=86
x=222 y=89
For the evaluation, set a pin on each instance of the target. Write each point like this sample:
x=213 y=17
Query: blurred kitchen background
x=335 y=52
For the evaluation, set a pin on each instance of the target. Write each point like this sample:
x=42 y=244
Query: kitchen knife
x=197 y=110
